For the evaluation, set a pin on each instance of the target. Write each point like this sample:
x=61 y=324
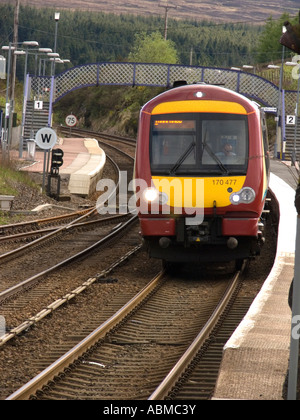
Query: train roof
x=200 y=92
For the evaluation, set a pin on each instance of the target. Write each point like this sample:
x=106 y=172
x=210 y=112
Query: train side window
x=265 y=141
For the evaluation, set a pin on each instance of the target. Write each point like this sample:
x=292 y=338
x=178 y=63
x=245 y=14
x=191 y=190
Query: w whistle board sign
x=46 y=138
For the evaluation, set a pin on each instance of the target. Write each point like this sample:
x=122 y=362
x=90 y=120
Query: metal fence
x=160 y=75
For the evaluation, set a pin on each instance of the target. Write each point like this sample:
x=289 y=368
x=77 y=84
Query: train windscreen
x=195 y=144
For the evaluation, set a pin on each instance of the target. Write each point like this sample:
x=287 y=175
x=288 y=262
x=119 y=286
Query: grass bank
x=13 y=182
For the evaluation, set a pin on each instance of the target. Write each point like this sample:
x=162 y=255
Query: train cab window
x=224 y=141
x=202 y=143
x=173 y=144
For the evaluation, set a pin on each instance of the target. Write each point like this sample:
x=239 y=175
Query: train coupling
x=164 y=242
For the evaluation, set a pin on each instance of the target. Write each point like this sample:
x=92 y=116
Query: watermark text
x=2 y=326
x=296 y=69
x=163 y=196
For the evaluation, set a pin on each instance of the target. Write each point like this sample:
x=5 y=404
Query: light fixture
x=199 y=94
x=30 y=43
x=245 y=196
x=152 y=195
x=19 y=52
x=53 y=54
x=45 y=50
x=7 y=48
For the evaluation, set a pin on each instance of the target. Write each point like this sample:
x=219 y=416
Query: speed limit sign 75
x=71 y=120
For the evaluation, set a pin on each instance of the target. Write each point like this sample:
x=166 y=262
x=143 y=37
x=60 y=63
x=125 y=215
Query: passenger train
x=201 y=174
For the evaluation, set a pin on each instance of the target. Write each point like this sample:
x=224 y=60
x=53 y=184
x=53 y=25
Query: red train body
x=202 y=171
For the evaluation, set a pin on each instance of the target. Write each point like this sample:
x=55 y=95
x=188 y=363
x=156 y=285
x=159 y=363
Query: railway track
x=130 y=354
x=87 y=133
x=38 y=269
x=30 y=227
x=23 y=268
x=130 y=357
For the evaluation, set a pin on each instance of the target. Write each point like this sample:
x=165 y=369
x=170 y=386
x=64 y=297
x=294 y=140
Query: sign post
x=56 y=163
x=45 y=139
x=71 y=121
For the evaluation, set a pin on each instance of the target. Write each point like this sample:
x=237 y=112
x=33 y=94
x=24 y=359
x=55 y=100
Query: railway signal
x=57 y=159
x=56 y=163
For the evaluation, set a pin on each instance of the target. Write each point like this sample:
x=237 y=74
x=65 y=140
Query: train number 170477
x=227 y=181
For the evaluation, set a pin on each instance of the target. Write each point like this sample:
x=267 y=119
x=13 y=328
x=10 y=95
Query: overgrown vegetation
x=10 y=179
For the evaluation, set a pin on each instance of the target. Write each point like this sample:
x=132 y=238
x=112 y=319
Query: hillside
x=253 y=11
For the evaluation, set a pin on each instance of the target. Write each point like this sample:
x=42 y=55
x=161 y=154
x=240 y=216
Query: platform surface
x=255 y=359
x=83 y=161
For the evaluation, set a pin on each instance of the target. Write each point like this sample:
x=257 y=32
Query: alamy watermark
x=2 y=326
x=296 y=327
x=187 y=197
x=296 y=69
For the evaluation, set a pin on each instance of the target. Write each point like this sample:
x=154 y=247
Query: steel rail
x=49 y=309
x=26 y=283
x=52 y=229
x=39 y=222
x=89 y=213
x=176 y=372
x=99 y=333
x=82 y=131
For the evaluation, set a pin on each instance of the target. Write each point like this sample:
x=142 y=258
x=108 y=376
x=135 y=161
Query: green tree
x=269 y=47
x=153 y=49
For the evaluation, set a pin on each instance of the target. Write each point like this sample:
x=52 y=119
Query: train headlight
x=235 y=198
x=246 y=196
x=152 y=195
x=199 y=94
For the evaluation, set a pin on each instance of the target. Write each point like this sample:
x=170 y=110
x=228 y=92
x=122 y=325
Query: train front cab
x=209 y=203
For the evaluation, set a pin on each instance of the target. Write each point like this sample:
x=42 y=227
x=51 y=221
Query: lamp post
x=7 y=105
x=248 y=67
x=294 y=155
x=56 y=17
x=278 y=142
x=11 y=79
x=274 y=67
x=45 y=52
x=26 y=44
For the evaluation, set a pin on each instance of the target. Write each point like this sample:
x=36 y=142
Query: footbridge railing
x=160 y=75
x=52 y=88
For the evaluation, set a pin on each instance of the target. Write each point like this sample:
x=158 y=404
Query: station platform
x=256 y=357
x=83 y=162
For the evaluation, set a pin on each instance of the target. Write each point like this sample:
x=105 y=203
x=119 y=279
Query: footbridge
x=50 y=89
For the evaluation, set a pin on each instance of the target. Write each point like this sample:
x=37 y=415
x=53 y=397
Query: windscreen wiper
x=215 y=157
x=182 y=158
